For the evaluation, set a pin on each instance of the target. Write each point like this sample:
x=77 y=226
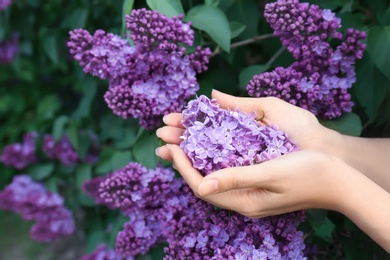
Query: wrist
x=331 y=142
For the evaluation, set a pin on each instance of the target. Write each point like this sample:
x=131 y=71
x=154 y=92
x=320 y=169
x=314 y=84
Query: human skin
x=321 y=175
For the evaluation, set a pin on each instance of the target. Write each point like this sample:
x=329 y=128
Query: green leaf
x=111 y=160
x=168 y=7
x=48 y=106
x=83 y=173
x=348 y=124
x=126 y=9
x=236 y=29
x=58 y=127
x=77 y=18
x=325 y=230
x=212 y=2
x=94 y=238
x=51 y=184
x=378 y=44
x=371 y=86
x=247 y=74
x=213 y=21
x=73 y=135
x=144 y=150
x=120 y=159
x=89 y=92
x=84 y=143
x=116 y=227
x=130 y=134
x=50 y=46
x=41 y=171
x=316 y=217
x=245 y=12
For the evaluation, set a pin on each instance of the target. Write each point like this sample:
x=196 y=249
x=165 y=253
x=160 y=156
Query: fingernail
x=156 y=151
x=164 y=119
x=208 y=187
x=157 y=133
x=173 y=166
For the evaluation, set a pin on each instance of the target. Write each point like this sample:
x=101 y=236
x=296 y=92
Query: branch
x=244 y=42
x=275 y=56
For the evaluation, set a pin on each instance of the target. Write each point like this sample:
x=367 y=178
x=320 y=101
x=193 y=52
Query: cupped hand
x=301 y=126
x=300 y=180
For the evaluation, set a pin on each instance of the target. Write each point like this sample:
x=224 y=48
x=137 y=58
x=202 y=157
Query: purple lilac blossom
x=135 y=186
x=91 y=188
x=33 y=202
x=9 y=48
x=61 y=150
x=234 y=138
x=64 y=151
x=20 y=155
x=104 y=253
x=4 y=5
x=148 y=80
x=320 y=77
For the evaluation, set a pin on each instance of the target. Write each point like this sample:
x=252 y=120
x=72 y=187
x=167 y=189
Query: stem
x=275 y=56
x=245 y=42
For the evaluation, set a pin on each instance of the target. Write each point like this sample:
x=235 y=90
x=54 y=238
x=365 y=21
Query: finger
x=170 y=134
x=243 y=103
x=184 y=166
x=163 y=153
x=245 y=177
x=173 y=119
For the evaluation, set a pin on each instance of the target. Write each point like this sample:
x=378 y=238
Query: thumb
x=244 y=177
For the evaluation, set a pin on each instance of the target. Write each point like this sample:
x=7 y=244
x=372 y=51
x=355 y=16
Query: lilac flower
x=321 y=75
x=8 y=48
x=140 y=233
x=91 y=188
x=148 y=80
x=20 y=155
x=151 y=29
x=61 y=150
x=33 y=202
x=134 y=186
x=4 y=5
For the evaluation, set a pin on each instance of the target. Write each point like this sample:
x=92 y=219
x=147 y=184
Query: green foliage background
x=44 y=90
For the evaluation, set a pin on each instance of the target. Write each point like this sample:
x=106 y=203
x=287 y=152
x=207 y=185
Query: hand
x=301 y=126
x=300 y=180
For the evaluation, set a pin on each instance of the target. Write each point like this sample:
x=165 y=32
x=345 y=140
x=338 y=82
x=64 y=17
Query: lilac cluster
x=20 y=155
x=135 y=186
x=150 y=79
x=320 y=77
x=104 y=253
x=61 y=150
x=91 y=188
x=9 y=48
x=33 y=202
x=4 y=4
x=155 y=202
x=216 y=138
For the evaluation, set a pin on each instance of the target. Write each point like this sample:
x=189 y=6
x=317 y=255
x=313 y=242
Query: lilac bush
x=149 y=79
x=32 y=201
x=320 y=77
